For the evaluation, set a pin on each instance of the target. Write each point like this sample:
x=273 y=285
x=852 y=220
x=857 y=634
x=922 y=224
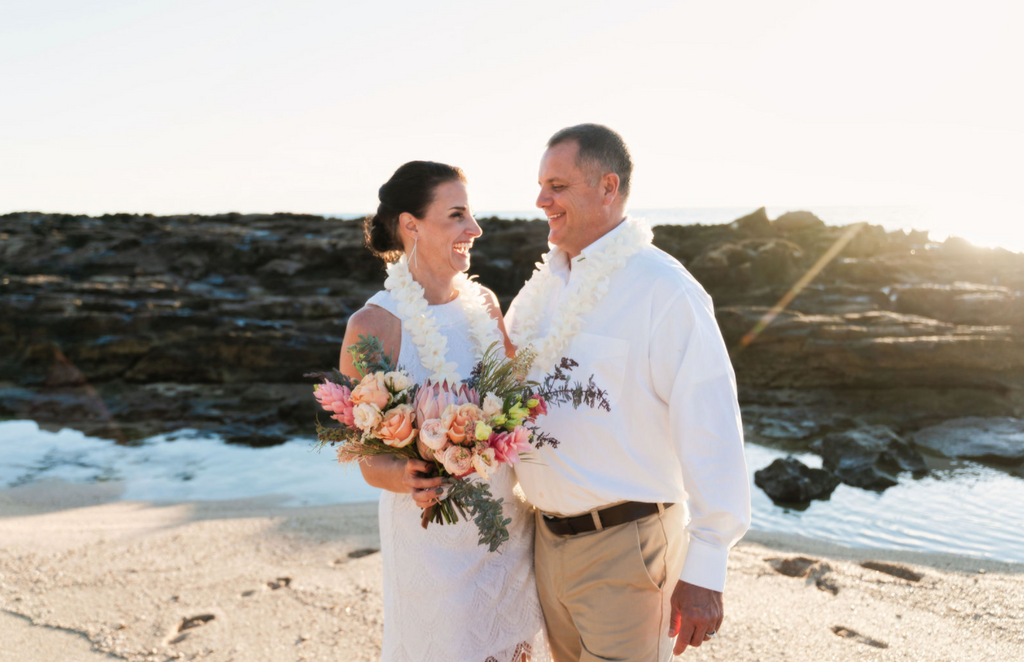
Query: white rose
x=493 y=406
x=366 y=416
x=484 y=463
x=398 y=381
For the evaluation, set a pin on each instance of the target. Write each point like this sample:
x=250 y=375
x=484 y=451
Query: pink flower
x=457 y=460
x=508 y=445
x=460 y=421
x=540 y=409
x=372 y=391
x=337 y=399
x=433 y=438
x=396 y=429
x=432 y=399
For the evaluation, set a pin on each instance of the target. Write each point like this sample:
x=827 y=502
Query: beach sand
x=86 y=577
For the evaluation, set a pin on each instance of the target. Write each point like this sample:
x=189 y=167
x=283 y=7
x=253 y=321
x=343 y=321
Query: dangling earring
x=412 y=256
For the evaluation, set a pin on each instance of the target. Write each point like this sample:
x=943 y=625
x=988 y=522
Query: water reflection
x=966 y=509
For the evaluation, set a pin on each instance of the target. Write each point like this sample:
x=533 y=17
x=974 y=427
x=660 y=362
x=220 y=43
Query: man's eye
x=557 y=187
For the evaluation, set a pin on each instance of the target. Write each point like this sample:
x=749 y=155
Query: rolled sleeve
x=692 y=373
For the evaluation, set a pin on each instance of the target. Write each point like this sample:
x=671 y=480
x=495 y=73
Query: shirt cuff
x=705 y=565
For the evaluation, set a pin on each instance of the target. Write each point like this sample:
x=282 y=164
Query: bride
x=446 y=598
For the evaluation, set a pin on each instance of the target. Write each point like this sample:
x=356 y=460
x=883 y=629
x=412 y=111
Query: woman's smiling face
x=447 y=230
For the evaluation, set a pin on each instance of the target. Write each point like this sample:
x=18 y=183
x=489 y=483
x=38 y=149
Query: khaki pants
x=606 y=593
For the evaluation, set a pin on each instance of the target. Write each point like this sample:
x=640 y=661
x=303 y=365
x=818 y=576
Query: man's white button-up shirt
x=673 y=434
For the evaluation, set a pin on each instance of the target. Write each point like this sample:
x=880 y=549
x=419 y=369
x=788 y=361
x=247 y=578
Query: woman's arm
x=386 y=471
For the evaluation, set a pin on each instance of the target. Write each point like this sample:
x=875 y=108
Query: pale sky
x=310 y=105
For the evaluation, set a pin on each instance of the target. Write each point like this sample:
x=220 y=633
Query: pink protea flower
x=432 y=399
x=336 y=399
x=508 y=445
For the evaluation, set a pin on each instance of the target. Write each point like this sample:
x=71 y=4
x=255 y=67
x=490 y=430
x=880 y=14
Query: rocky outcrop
x=791 y=481
x=869 y=457
x=139 y=324
x=993 y=439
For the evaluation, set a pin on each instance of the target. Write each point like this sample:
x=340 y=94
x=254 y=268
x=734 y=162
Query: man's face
x=567 y=197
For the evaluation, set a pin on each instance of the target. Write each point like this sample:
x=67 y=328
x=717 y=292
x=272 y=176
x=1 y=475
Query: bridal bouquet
x=473 y=427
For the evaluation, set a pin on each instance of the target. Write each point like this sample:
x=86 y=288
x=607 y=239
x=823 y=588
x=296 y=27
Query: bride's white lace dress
x=447 y=598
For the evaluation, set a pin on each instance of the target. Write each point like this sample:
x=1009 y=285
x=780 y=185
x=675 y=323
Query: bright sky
x=309 y=105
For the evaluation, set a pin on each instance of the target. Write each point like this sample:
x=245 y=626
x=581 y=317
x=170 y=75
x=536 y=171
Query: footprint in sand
x=360 y=553
x=813 y=570
x=188 y=624
x=892 y=569
x=280 y=582
x=847 y=633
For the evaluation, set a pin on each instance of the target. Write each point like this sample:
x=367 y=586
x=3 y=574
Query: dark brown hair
x=600 y=149
x=410 y=189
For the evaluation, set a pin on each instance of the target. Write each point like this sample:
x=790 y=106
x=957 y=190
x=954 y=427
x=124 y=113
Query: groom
x=639 y=506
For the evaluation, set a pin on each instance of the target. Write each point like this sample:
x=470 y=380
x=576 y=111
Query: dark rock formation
x=791 y=481
x=869 y=457
x=993 y=439
x=126 y=325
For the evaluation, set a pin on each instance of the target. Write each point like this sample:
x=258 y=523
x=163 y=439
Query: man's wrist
x=705 y=565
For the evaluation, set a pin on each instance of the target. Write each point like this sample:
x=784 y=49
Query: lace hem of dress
x=522 y=653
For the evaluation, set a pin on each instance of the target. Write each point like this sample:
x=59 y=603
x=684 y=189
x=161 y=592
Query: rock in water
x=997 y=439
x=790 y=480
x=869 y=457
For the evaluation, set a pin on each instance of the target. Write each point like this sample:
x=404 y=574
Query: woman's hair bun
x=410 y=189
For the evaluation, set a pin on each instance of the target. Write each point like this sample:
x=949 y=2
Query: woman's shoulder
x=372 y=319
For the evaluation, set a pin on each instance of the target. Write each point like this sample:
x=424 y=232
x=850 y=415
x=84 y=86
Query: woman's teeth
x=462 y=248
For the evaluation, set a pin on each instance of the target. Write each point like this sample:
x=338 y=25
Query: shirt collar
x=559 y=260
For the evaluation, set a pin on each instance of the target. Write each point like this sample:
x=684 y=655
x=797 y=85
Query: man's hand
x=696 y=611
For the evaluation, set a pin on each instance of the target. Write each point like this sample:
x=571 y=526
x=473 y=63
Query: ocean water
x=970 y=509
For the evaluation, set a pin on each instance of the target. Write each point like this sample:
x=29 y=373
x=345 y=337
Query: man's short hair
x=600 y=149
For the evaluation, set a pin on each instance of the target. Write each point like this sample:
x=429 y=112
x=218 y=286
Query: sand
x=86 y=577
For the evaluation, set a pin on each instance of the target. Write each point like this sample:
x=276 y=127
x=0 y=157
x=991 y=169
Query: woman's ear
x=408 y=222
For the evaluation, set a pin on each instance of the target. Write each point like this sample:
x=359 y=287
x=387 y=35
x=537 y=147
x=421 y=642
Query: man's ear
x=408 y=222
x=609 y=188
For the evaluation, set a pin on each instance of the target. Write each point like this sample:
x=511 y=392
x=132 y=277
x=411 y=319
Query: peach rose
x=396 y=429
x=433 y=434
x=460 y=421
x=457 y=460
x=372 y=390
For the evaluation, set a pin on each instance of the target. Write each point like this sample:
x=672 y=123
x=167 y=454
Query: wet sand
x=86 y=577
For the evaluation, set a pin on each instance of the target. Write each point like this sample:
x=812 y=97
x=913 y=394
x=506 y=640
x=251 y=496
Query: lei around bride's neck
x=437 y=289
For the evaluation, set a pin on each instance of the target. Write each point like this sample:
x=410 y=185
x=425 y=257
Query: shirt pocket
x=603 y=357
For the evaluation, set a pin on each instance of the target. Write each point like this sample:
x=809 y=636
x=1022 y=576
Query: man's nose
x=543 y=199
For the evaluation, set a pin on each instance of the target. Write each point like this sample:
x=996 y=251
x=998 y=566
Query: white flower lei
x=419 y=320
x=632 y=235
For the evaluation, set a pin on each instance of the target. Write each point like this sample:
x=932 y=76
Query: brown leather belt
x=611 y=516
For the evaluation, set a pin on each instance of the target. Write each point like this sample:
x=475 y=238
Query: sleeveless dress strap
x=383 y=299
